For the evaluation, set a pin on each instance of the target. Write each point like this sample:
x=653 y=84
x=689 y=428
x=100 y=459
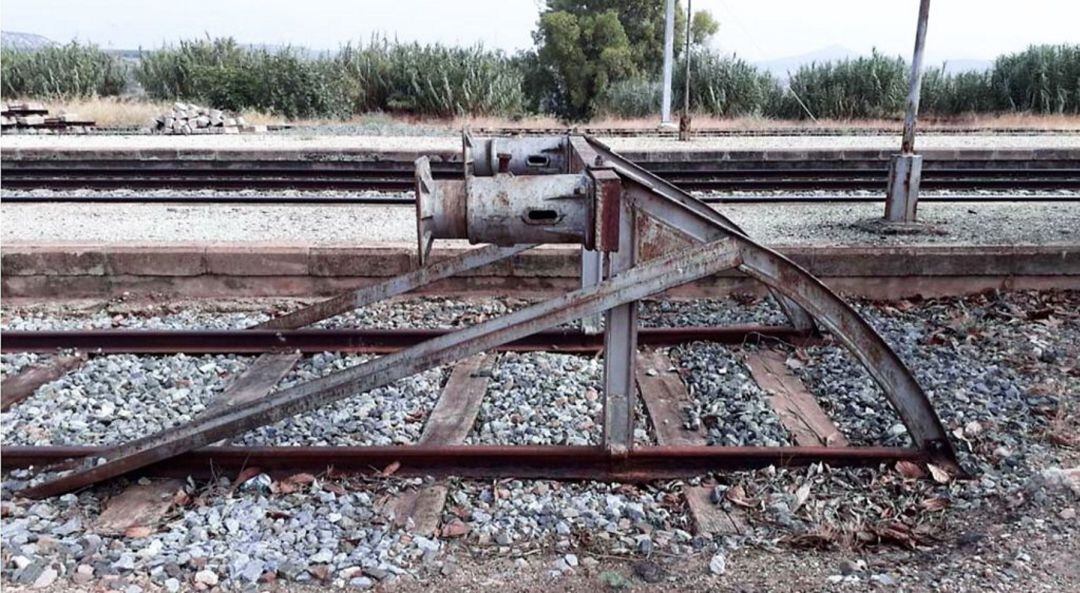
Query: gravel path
x=997 y=223
x=1000 y=367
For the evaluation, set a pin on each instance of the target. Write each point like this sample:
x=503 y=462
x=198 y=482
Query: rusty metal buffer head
x=517 y=191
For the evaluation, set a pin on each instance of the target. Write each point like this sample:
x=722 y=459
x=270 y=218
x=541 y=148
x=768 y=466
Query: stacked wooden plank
x=33 y=117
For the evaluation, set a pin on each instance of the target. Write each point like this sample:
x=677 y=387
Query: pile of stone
x=188 y=118
x=33 y=118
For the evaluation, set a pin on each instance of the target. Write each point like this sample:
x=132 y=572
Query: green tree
x=703 y=27
x=585 y=45
x=585 y=53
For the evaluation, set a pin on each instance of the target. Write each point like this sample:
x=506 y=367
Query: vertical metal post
x=620 y=347
x=592 y=273
x=669 y=57
x=684 y=121
x=905 y=169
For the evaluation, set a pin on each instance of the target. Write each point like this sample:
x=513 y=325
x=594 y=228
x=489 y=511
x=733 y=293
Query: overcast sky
x=755 y=29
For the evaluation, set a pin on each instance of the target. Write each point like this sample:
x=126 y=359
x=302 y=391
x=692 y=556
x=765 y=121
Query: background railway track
x=397 y=176
x=631 y=132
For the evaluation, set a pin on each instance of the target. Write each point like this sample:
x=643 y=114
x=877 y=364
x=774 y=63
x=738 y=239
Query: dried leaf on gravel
x=909 y=470
x=939 y=474
x=181 y=498
x=935 y=503
x=292 y=483
x=895 y=533
x=335 y=488
x=455 y=528
x=138 y=532
x=737 y=495
x=801 y=495
x=820 y=539
x=246 y=474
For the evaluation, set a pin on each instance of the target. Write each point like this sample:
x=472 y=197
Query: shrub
x=867 y=87
x=954 y=94
x=431 y=80
x=1041 y=79
x=631 y=98
x=725 y=86
x=223 y=74
x=419 y=79
x=74 y=70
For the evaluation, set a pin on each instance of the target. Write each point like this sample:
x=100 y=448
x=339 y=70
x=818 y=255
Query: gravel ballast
x=452 y=142
x=1001 y=369
x=990 y=223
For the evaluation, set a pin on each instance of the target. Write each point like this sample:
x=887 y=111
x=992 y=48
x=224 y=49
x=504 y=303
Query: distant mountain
x=957 y=66
x=24 y=41
x=780 y=67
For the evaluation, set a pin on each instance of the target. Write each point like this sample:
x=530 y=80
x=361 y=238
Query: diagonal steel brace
x=634 y=284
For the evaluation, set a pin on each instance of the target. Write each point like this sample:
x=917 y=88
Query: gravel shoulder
x=991 y=223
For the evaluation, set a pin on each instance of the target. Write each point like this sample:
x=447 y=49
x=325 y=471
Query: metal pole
x=669 y=56
x=915 y=83
x=684 y=121
x=689 y=22
x=905 y=169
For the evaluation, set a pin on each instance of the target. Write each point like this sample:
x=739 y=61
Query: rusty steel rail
x=483 y=461
x=696 y=172
x=400 y=200
x=372 y=341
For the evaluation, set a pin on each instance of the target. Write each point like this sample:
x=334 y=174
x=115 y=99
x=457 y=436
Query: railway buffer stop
x=644 y=235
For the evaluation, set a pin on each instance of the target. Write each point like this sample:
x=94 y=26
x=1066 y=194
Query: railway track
x=397 y=175
x=400 y=200
x=627 y=132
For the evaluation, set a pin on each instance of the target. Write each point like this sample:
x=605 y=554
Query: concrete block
x=52 y=261
x=156 y=261
x=359 y=261
x=254 y=260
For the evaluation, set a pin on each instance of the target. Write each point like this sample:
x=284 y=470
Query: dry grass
x=118 y=112
x=1027 y=121
x=109 y=111
x=128 y=112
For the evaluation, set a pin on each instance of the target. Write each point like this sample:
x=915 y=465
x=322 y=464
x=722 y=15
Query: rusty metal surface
x=800 y=287
x=527 y=156
x=620 y=346
x=395 y=286
x=626 y=279
x=632 y=285
x=483 y=461
x=372 y=341
x=590 y=149
x=508 y=209
x=902 y=194
x=606 y=211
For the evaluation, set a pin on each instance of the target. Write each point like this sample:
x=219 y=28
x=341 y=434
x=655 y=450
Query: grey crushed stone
x=1023 y=364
